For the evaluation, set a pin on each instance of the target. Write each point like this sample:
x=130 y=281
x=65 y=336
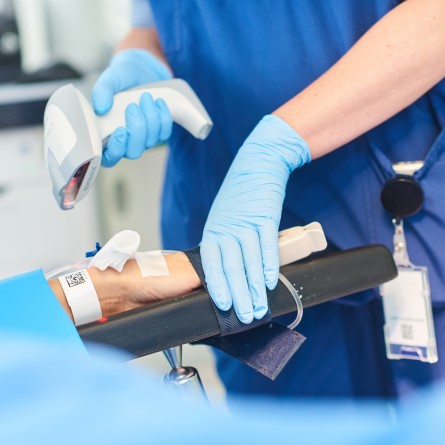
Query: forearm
x=143 y=38
x=389 y=68
x=122 y=291
x=113 y=290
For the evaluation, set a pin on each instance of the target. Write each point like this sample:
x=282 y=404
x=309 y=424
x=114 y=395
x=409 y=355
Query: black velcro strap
x=263 y=345
x=227 y=320
x=267 y=348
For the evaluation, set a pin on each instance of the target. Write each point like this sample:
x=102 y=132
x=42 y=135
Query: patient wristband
x=81 y=297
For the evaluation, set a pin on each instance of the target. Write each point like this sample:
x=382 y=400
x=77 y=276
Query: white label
x=405 y=309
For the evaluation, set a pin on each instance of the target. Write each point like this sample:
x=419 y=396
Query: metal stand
x=184 y=380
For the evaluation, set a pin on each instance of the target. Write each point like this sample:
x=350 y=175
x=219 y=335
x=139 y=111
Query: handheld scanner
x=74 y=135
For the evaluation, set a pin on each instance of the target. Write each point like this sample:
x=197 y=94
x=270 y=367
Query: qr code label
x=75 y=279
x=407 y=332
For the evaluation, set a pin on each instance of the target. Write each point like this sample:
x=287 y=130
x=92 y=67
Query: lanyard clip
x=401 y=256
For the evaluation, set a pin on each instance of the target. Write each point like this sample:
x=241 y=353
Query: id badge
x=409 y=326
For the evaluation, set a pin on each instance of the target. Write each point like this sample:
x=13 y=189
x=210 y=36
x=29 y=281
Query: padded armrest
x=323 y=277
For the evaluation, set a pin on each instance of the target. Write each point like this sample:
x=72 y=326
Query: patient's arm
x=122 y=291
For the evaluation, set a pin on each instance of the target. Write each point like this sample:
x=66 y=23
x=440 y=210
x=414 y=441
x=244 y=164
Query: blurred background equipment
x=80 y=33
x=10 y=58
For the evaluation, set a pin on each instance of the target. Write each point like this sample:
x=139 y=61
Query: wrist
x=121 y=291
x=113 y=288
x=279 y=139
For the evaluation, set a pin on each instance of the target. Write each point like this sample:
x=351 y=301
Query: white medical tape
x=152 y=264
x=81 y=296
x=121 y=248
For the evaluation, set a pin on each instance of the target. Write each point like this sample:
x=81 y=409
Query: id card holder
x=409 y=327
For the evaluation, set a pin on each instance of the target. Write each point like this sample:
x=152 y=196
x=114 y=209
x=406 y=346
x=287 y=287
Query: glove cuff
x=285 y=142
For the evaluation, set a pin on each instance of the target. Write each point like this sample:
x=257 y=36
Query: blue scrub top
x=246 y=58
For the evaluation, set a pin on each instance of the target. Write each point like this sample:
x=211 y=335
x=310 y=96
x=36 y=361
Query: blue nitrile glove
x=239 y=248
x=148 y=123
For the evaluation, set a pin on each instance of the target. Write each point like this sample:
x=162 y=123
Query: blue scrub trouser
x=343 y=356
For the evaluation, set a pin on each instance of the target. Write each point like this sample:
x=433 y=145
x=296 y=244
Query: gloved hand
x=148 y=123
x=239 y=248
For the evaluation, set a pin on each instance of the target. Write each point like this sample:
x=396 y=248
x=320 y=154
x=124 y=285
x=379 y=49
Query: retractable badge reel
x=409 y=327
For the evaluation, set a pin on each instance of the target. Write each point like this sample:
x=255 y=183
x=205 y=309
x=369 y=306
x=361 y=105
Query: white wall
x=79 y=32
x=34 y=232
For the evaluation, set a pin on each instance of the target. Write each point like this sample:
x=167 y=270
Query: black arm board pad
x=323 y=277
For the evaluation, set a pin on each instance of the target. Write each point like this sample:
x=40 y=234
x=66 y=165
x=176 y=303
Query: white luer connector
x=299 y=242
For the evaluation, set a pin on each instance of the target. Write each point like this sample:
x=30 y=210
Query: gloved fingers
x=103 y=91
x=269 y=250
x=127 y=69
x=137 y=130
x=115 y=148
x=214 y=275
x=235 y=274
x=152 y=120
x=166 y=120
x=253 y=264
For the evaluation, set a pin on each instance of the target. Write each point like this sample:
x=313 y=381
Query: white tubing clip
x=294 y=244
x=300 y=241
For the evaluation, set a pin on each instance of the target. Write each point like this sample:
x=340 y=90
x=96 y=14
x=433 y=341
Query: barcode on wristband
x=75 y=279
